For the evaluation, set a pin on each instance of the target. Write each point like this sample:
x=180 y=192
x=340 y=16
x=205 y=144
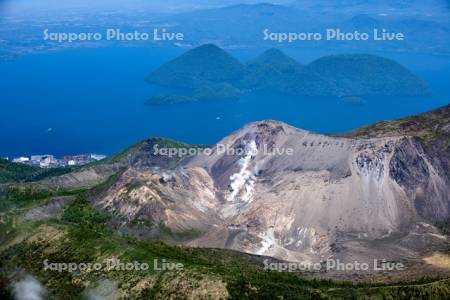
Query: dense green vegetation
x=209 y=73
x=142 y=146
x=359 y=75
x=429 y=126
x=79 y=213
x=217 y=91
x=207 y=64
x=203 y=73
x=14 y=172
x=14 y=196
x=144 y=153
x=275 y=72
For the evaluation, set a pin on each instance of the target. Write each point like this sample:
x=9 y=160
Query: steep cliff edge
x=272 y=189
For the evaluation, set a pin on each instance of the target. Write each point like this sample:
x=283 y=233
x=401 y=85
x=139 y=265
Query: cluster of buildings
x=50 y=161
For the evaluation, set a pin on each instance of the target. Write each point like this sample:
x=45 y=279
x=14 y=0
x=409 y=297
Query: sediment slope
x=295 y=195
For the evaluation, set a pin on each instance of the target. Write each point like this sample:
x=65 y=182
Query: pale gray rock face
x=52 y=209
x=295 y=195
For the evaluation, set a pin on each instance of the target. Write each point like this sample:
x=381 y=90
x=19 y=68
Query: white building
x=44 y=161
x=98 y=156
x=21 y=159
x=46 y=157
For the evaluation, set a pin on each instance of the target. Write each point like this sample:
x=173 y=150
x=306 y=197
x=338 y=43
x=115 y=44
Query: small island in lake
x=210 y=73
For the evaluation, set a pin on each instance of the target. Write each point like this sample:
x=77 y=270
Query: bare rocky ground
x=52 y=209
x=378 y=193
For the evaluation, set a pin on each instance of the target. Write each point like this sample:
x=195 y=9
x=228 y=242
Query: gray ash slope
x=373 y=193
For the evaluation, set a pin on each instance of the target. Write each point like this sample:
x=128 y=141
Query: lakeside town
x=49 y=161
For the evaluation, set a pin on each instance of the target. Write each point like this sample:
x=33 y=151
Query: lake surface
x=91 y=101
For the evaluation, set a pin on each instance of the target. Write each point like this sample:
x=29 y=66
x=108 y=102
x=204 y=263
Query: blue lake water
x=91 y=100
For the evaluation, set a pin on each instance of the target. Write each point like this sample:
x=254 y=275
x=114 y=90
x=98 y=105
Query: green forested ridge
x=199 y=66
x=208 y=72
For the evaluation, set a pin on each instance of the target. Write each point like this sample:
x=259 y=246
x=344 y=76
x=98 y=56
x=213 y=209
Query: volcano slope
x=270 y=189
x=377 y=192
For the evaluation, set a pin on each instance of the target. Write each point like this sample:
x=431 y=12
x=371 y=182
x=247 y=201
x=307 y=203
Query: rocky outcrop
x=275 y=190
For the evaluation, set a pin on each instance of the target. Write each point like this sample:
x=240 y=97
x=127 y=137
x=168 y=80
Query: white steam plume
x=242 y=182
x=29 y=288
